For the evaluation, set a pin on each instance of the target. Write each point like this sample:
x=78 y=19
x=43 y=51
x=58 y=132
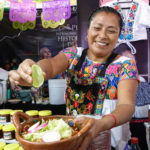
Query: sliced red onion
x=38 y=127
x=41 y=126
x=34 y=126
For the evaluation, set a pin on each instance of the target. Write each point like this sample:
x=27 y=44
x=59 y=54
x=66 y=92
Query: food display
x=49 y=131
x=12 y=146
x=44 y=113
x=1 y=133
x=53 y=132
x=33 y=113
x=8 y=132
x=5 y=115
x=2 y=145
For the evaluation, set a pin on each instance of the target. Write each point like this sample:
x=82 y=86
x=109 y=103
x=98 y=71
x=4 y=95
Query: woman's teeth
x=101 y=43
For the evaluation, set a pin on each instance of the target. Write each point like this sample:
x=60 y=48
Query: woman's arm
x=53 y=66
x=50 y=67
x=123 y=112
x=125 y=105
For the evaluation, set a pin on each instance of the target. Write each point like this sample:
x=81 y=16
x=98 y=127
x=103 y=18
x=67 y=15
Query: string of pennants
x=23 y=14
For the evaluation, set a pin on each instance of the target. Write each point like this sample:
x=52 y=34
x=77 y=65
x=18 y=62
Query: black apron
x=87 y=99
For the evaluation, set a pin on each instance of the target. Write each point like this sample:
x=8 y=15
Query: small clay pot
x=71 y=143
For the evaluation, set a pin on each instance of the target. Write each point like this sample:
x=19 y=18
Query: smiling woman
x=100 y=84
x=102 y=36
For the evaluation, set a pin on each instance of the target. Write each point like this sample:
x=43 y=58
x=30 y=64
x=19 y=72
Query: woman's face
x=103 y=35
x=47 y=53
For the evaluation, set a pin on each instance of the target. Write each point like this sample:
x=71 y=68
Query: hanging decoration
x=22 y=11
x=24 y=26
x=54 y=13
x=1 y=9
x=56 y=10
x=51 y=23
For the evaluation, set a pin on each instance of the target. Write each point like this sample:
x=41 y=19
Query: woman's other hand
x=22 y=76
x=92 y=133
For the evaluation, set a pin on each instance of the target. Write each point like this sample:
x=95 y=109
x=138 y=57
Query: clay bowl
x=71 y=143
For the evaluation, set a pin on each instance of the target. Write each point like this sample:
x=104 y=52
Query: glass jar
x=2 y=145
x=5 y=115
x=1 y=133
x=45 y=113
x=13 y=112
x=12 y=146
x=33 y=113
x=8 y=132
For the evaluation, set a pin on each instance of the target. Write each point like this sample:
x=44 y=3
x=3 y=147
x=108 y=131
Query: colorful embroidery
x=127 y=29
x=115 y=72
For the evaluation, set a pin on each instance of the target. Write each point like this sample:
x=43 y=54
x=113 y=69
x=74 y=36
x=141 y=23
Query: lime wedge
x=37 y=76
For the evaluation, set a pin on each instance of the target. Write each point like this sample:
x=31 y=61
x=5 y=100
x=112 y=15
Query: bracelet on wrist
x=115 y=119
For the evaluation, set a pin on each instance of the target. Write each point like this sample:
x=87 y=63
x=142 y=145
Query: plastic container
x=135 y=144
x=33 y=113
x=20 y=148
x=2 y=145
x=12 y=113
x=57 y=91
x=8 y=132
x=12 y=146
x=44 y=113
x=5 y=115
x=1 y=132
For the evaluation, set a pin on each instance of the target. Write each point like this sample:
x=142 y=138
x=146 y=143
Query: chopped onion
x=51 y=136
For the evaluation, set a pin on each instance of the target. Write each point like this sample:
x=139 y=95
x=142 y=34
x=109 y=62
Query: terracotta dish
x=71 y=143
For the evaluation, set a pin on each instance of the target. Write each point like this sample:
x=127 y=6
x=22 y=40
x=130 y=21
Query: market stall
x=40 y=29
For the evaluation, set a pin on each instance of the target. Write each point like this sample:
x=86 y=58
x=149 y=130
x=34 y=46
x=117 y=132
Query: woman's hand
x=22 y=76
x=92 y=133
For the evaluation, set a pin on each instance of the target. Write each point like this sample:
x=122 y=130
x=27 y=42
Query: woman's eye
x=97 y=28
x=111 y=31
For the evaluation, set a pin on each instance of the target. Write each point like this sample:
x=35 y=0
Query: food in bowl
x=68 y=143
x=49 y=130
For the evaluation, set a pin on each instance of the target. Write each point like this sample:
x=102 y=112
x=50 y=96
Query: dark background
x=17 y=45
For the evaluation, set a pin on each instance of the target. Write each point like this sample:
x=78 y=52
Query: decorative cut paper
x=56 y=10
x=1 y=9
x=22 y=11
x=73 y=2
x=51 y=23
x=24 y=26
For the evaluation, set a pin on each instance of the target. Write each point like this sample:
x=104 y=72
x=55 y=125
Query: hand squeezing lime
x=37 y=76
